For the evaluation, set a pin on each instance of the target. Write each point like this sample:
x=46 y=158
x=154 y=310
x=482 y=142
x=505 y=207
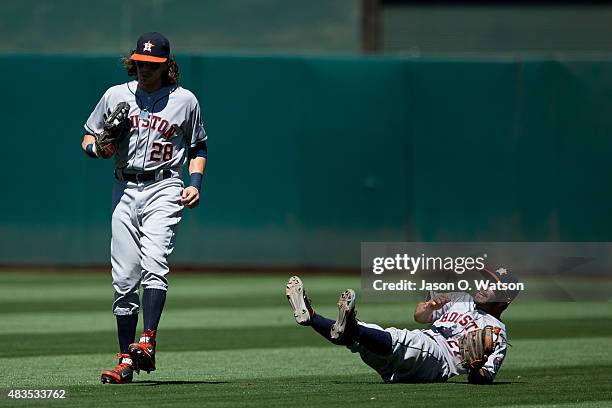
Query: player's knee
x=154 y=266
x=152 y=280
x=125 y=286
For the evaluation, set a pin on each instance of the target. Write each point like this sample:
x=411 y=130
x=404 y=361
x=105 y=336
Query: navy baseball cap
x=152 y=47
x=504 y=276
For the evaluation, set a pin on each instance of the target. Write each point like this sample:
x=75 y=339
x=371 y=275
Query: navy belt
x=143 y=177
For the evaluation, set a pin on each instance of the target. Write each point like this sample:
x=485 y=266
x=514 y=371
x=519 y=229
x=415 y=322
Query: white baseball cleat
x=296 y=295
x=346 y=315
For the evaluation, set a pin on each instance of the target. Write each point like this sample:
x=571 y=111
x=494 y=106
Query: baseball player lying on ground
x=465 y=336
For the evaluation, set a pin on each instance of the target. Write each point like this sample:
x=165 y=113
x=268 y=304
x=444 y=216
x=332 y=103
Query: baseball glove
x=115 y=127
x=476 y=346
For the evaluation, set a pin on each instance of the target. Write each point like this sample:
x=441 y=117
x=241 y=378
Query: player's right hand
x=190 y=197
x=438 y=301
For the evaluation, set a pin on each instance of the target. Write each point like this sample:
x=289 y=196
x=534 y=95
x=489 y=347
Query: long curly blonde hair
x=171 y=76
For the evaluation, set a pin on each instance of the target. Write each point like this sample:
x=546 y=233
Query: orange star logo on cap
x=148 y=46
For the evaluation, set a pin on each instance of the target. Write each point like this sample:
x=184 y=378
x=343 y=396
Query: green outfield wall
x=311 y=156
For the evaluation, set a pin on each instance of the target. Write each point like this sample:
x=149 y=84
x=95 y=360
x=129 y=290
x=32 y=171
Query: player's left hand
x=439 y=301
x=190 y=197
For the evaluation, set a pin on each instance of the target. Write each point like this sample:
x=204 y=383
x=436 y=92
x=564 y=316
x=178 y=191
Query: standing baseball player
x=465 y=336
x=152 y=127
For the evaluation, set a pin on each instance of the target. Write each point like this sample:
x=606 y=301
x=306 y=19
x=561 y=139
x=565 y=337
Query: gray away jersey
x=164 y=125
x=458 y=317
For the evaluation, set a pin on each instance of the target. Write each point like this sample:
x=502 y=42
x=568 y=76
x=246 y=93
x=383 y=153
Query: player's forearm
x=423 y=312
x=87 y=139
x=197 y=165
x=88 y=146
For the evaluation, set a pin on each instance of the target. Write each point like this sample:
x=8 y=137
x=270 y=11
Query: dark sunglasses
x=152 y=65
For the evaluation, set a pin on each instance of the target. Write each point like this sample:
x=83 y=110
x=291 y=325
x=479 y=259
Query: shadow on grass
x=399 y=384
x=157 y=383
x=484 y=385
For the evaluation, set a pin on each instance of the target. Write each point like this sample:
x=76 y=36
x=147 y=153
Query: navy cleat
x=296 y=295
x=347 y=319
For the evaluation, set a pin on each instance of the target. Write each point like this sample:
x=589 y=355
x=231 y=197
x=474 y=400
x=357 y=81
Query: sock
x=377 y=341
x=322 y=325
x=126 y=331
x=153 y=301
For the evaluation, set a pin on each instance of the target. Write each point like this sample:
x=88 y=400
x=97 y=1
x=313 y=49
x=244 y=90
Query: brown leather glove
x=115 y=127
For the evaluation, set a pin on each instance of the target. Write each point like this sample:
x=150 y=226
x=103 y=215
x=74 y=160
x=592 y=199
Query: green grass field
x=230 y=340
